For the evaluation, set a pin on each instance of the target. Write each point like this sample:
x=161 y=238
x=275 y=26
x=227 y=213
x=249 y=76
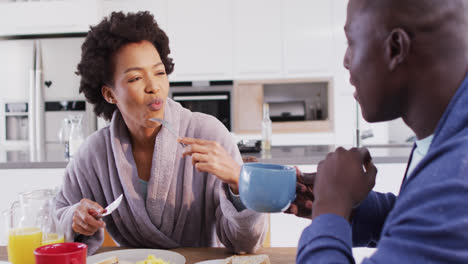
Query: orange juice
x=52 y=238
x=21 y=244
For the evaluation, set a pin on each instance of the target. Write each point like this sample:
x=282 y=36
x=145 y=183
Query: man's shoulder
x=451 y=154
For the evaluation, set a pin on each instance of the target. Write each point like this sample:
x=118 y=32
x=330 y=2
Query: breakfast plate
x=138 y=254
x=213 y=261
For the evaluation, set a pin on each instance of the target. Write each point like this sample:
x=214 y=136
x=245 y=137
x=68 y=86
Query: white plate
x=360 y=253
x=213 y=261
x=138 y=254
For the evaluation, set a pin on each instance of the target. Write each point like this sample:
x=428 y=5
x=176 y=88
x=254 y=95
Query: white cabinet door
x=307 y=37
x=158 y=8
x=16 y=69
x=60 y=58
x=200 y=39
x=45 y=17
x=257 y=39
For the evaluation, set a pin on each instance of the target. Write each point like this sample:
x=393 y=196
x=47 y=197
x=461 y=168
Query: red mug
x=61 y=253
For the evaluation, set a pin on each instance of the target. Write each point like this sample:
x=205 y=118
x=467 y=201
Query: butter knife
x=111 y=207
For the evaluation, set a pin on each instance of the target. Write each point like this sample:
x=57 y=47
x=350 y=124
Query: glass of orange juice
x=21 y=244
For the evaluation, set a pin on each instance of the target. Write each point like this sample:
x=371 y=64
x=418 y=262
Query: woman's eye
x=134 y=79
x=160 y=73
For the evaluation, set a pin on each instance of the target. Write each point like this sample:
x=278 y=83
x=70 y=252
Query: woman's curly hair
x=102 y=42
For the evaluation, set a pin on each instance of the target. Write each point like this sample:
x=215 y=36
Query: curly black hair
x=102 y=42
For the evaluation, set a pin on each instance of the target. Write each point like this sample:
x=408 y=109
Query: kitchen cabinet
x=257 y=39
x=251 y=94
x=209 y=39
x=60 y=58
x=16 y=70
x=156 y=7
x=48 y=17
x=58 y=64
x=249 y=98
x=282 y=39
x=307 y=37
x=200 y=39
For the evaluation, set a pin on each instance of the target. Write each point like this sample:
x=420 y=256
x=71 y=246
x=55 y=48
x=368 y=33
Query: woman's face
x=141 y=85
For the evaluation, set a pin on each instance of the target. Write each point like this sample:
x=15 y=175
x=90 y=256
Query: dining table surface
x=277 y=255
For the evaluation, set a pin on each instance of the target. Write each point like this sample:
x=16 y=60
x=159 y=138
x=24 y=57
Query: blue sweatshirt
x=427 y=223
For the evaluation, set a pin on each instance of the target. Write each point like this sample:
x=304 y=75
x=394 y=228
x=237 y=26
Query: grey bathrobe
x=184 y=208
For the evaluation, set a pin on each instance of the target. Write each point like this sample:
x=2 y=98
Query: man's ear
x=108 y=94
x=397 y=47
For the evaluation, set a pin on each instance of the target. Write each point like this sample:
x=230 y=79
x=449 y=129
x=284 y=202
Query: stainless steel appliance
x=209 y=97
x=287 y=111
x=39 y=88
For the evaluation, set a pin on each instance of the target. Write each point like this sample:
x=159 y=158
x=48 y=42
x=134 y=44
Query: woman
x=173 y=197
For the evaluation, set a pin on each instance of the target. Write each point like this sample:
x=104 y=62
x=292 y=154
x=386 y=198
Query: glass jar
x=76 y=134
x=31 y=222
x=266 y=129
x=64 y=137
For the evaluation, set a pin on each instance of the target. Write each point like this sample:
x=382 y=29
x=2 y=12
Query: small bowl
x=267 y=188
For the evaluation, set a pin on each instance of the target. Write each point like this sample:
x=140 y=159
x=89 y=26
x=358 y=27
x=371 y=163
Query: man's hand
x=302 y=206
x=343 y=180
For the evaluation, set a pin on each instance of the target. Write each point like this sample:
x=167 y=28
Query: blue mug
x=267 y=187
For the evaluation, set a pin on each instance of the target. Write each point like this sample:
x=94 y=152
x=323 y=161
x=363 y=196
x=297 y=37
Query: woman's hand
x=210 y=156
x=84 y=218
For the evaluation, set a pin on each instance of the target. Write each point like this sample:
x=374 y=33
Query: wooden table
x=193 y=255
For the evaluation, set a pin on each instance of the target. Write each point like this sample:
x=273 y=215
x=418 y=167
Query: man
x=406 y=59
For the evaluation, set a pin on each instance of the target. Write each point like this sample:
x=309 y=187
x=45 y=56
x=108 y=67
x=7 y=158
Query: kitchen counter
x=287 y=155
x=310 y=155
x=33 y=165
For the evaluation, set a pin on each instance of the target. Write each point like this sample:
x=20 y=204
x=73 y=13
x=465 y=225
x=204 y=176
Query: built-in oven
x=209 y=97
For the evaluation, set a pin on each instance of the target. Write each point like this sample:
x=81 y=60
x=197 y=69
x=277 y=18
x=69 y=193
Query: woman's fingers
x=93 y=222
x=78 y=229
x=80 y=226
x=190 y=149
x=190 y=141
x=197 y=158
x=84 y=227
x=204 y=167
x=84 y=218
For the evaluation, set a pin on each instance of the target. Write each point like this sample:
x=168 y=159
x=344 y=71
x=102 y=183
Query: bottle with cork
x=266 y=128
x=318 y=108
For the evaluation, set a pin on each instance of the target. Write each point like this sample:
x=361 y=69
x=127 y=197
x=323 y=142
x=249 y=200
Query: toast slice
x=252 y=259
x=111 y=260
